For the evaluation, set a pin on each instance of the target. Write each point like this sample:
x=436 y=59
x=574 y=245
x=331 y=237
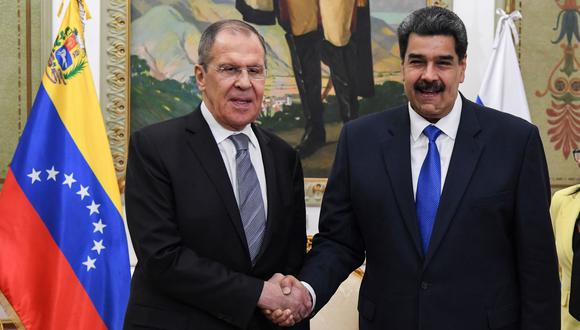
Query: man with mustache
x=215 y=205
x=447 y=201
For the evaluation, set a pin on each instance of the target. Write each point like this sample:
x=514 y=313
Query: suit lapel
x=202 y=144
x=396 y=150
x=271 y=189
x=466 y=152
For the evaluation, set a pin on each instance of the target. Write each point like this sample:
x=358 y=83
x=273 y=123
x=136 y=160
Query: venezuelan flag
x=63 y=251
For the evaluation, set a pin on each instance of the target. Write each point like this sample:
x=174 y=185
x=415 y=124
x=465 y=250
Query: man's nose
x=430 y=72
x=243 y=80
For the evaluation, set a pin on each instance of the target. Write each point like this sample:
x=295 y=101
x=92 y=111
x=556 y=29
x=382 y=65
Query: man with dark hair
x=215 y=205
x=447 y=201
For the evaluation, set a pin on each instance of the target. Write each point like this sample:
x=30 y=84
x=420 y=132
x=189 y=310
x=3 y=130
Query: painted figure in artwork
x=335 y=32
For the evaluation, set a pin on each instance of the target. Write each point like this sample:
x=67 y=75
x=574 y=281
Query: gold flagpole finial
x=510 y=6
x=60 y=8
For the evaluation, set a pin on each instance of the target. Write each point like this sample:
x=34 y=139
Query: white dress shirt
x=228 y=152
x=445 y=142
x=419 y=146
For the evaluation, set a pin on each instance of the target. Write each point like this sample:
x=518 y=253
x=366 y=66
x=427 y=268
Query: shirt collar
x=448 y=124
x=221 y=133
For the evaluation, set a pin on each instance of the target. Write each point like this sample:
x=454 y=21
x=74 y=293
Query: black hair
x=430 y=21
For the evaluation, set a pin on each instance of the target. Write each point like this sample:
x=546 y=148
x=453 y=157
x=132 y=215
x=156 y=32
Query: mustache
x=426 y=86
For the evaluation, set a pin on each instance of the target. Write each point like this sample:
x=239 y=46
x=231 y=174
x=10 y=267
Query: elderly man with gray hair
x=215 y=204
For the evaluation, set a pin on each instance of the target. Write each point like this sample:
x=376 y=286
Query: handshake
x=284 y=300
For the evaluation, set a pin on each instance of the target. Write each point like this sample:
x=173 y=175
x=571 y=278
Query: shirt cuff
x=312 y=294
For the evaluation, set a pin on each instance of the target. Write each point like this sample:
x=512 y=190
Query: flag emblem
x=68 y=57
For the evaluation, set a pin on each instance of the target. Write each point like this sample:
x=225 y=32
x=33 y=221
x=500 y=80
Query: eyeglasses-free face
x=576 y=154
x=432 y=72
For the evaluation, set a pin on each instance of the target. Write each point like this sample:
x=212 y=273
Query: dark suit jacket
x=194 y=269
x=491 y=263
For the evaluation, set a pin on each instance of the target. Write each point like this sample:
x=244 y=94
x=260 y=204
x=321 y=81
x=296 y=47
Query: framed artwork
x=152 y=50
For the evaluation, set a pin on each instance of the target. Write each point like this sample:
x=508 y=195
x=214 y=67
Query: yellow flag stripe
x=78 y=107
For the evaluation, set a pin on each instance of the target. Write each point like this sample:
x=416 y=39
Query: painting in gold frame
x=120 y=77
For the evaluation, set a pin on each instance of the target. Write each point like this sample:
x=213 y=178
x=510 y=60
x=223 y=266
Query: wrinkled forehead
x=231 y=40
x=437 y=45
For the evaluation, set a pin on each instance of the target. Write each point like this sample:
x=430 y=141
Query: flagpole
x=510 y=6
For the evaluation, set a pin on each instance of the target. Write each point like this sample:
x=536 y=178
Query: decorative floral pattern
x=564 y=83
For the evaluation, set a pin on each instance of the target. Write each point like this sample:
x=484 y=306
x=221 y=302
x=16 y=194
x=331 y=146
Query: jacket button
x=425 y=285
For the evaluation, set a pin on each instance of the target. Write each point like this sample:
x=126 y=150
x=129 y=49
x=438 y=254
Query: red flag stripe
x=55 y=300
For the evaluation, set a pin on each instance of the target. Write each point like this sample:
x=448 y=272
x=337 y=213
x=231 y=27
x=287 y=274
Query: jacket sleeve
x=536 y=251
x=164 y=260
x=338 y=248
x=297 y=241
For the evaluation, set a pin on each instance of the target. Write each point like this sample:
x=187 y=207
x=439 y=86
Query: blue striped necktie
x=250 y=200
x=428 y=187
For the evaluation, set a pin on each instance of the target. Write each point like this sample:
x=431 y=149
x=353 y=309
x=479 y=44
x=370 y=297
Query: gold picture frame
x=116 y=85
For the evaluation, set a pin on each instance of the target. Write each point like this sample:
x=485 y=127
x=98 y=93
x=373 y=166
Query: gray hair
x=208 y=37
x=430 y=21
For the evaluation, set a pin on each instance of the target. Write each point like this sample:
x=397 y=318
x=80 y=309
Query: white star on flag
x=94 y=208
x=84 y=192
x=69 y=180
x=90 y=263
x=98 y=246
x=34 y=175
x=99 y=226
x=52 y=174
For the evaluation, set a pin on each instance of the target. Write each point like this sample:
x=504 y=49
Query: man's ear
x=199 y=77
x=462 y=67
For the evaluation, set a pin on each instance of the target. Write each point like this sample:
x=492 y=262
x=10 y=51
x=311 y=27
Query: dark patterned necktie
x=428 y=187
x=250 y=201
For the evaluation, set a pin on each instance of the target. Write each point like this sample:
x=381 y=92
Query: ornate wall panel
x=115 y=101
x=20 y=71
x=549 y=62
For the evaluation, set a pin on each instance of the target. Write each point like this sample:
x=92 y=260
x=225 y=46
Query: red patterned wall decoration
x=563 y=83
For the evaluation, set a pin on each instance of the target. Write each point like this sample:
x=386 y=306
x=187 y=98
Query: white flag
x=502 y=87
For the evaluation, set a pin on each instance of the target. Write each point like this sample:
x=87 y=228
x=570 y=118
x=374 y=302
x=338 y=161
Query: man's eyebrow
x=416 y=56
x=446 y=57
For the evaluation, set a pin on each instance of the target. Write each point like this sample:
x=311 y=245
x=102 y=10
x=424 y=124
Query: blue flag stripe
x=78 y=213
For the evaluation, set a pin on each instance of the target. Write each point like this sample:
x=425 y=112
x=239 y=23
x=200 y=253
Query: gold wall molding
x=115 y=91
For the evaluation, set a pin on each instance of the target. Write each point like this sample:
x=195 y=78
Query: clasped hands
x=284 y=300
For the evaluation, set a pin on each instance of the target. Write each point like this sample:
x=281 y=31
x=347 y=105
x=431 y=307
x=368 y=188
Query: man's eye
x=255 y=70
x=229 y=69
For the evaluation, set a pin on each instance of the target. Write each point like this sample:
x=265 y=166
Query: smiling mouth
x=428 y=94
x=241 y=103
